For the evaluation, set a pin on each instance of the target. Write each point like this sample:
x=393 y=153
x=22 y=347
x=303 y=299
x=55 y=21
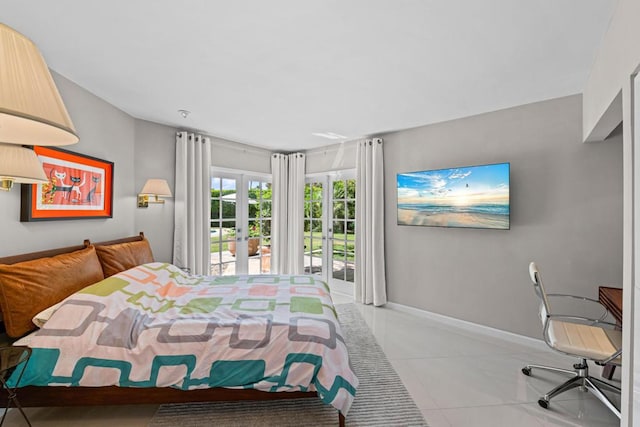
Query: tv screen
x=470 y=197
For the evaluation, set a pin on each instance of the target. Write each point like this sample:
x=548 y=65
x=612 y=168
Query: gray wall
x=566 y=214
x=155 y=149
x=105 y=132
x=233 y=155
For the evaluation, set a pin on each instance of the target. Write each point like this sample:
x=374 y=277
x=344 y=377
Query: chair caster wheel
x=544 y=403
x=526 y=371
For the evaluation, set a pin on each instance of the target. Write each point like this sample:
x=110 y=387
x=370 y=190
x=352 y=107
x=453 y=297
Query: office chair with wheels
x=582 y=337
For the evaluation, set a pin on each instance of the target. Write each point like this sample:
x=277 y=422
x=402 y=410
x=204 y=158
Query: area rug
x=381 y=399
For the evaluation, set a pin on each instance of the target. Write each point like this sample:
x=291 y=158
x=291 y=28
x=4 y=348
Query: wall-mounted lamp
x=31 y=110
x=19 y=164
x=153 y=187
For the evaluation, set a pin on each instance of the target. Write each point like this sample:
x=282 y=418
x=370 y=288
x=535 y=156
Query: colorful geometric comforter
x=156 y=326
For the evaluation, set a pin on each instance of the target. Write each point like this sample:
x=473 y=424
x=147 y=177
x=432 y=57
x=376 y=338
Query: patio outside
x=223 y=261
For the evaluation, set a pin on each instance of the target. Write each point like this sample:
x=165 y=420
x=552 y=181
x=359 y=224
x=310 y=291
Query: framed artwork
x=467 y=197
x=79 y=187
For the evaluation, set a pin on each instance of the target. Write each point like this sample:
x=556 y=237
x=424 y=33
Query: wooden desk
x=612 y=299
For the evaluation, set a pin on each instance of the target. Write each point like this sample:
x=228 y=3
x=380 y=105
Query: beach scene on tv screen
x=472 y=197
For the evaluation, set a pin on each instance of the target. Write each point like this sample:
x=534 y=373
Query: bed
x=118 y=328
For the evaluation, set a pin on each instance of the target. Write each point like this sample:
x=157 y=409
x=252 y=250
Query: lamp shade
x=157 y=187
x=31 y=109
x=19 y=164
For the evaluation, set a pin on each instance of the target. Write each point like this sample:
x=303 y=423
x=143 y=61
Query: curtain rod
x=232 y=144
x=241 y=147
x=246 y=148
x=333 y=147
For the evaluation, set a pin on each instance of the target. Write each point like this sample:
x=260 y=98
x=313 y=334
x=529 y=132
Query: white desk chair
x=582 y=337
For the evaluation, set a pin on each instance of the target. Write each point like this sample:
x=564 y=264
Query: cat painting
x=91 y=194
x=70 y=192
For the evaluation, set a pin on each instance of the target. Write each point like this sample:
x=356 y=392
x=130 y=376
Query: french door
x=240 y=224
x=329 y=228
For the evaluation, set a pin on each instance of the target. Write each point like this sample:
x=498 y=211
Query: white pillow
x=41 y=318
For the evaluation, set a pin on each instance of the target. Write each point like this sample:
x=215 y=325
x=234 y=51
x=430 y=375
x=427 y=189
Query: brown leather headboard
x=120 y=255
x=31 y=282
x=52 y=252
x=28 y=287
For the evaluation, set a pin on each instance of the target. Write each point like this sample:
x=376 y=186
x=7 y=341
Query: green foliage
x=343 y=246
x=254 y=230
x=223 y=211
x=313 y=206
x=344 y=189
x=343 y=209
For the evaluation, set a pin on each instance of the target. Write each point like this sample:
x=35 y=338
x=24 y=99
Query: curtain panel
x=192 y=232
x=279 y=235
x=370 y=283
x=287 y=223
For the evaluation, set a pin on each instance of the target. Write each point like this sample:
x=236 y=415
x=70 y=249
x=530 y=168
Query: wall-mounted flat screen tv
x=470 y=197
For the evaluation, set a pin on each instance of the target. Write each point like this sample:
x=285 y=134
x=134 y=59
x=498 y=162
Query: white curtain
x=370 y=283
x=287 y=223
x=192 y=233
x=279 y=235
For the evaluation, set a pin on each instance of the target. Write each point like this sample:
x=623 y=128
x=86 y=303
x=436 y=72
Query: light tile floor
x=456 y=377
x=461 y=378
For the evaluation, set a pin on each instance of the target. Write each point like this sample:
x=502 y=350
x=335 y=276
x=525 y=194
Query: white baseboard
x=537 y=344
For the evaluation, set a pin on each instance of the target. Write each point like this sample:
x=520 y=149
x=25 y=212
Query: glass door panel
x=259 y=229
x=329 y=230
x=342 y=234
x=240 y=224
x=314 y=233
x=223 y=225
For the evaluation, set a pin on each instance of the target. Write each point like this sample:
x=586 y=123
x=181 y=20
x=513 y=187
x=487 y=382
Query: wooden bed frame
x=36 y=396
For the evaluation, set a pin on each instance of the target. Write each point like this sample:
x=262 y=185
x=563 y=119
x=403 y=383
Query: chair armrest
x=611 y=358
x=584 y=320
x=581 y=298
x=574 y=296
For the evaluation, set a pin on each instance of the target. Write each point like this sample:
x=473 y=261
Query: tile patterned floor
x=457 y=378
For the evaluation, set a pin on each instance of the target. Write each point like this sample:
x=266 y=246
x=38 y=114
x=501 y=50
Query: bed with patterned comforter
x=157 y=326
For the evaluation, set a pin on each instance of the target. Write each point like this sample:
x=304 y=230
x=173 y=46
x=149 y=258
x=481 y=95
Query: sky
x=230 y=184
x=458 y=186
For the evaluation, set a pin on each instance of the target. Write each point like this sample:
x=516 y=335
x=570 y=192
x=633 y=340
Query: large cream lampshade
x=31 y=110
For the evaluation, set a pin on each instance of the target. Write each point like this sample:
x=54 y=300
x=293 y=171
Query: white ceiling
x=272 y=73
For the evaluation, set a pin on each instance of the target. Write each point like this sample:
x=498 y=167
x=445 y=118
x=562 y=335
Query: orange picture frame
x=79 y=187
